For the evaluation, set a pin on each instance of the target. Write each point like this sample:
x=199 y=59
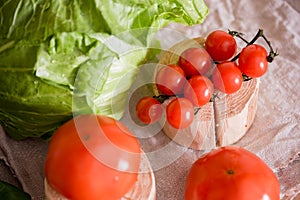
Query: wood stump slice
x=235 y=113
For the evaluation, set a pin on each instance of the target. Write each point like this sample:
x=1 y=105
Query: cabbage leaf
x=59 y=58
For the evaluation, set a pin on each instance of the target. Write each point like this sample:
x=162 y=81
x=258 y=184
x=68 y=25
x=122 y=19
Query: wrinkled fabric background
x=274 y=136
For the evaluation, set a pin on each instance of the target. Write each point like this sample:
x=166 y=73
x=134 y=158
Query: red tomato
x=220 y=45
x=227 y=77
x=195 y=61
x=92 y=157
x=170 y=80
x=231 y=173
x=253 y=61
x=198 y=90
x=180 y=113
x=149 y=110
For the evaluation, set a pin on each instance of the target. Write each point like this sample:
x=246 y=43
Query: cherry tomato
x=227 y=77
x=170 y=80
x=180 y=113
x=220 y=45
x=253 y=61
x=198 y=90
x=231 y=173
x=195 y=61
x=149 y=110
x=92 y=157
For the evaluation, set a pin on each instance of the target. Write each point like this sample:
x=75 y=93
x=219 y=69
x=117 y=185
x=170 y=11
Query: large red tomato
x=231 y=173
x=92 y=157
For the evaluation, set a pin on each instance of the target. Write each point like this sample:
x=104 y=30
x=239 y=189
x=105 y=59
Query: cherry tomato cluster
x=199 y=72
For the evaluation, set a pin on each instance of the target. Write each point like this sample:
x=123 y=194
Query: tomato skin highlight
x=231 y=173
x=149 y=110
x=170 y=80
x=180 y=113
x=220 y=45
x=73 y=169
x=227 y=77
x=198 y=90
x=195 y=61
x=253 y=61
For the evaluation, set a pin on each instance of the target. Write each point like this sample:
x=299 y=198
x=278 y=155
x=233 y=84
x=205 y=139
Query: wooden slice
x=143 y=189
x=234 y=113
x=219 y=123
x=145 y=186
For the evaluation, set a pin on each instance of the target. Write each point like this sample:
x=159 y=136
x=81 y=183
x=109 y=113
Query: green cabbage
x=64 y=57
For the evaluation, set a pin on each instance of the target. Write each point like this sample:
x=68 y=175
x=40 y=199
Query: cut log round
x=221 y=122
x=143 y=189
x=235 y=113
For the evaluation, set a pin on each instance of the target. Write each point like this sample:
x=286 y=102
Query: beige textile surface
x=274 y=136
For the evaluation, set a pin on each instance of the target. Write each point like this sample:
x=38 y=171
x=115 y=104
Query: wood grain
x=234 y=113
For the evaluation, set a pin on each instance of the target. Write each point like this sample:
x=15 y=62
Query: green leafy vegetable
x=61 y=57
x=10 y=192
